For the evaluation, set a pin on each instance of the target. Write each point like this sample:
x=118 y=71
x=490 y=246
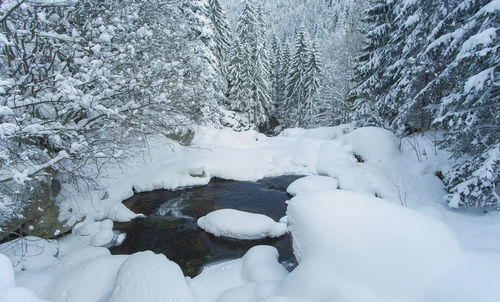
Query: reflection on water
x=170 y=226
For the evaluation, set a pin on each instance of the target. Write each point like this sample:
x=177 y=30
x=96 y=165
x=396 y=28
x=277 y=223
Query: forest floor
x=369 y=223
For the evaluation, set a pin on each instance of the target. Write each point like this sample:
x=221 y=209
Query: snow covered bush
x=80 y=80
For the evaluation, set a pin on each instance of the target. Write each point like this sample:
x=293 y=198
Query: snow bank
x=372 y=143
x=249 y=279
x=30 y=253
x=6 y=273
x=311 y=183
x=89 y=281
x=149 y=277
x=74 y=274
x=8 y=290
x=240 y=225
x=324 y=133
x=361 y=248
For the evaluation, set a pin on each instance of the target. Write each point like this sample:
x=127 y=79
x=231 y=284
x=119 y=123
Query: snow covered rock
x=358 y=248
x=372 y=144
x=240 y=225
x=312 y=183
x=97 y=233
x=150 y=277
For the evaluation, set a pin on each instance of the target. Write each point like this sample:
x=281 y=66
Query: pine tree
x=435 y=63
x=296 y=94
x=240 y=91
x=261 y=75
x=371 y=80
x=252 y=36
x=283 y=80
x=222 y=37
x=469 y=106
x=275 y=75
x=312 y=88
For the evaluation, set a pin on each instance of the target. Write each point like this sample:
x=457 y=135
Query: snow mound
x=150 y=277
x=240 y=225
x=324 y=133
x=373 y=144
x=261 y=264
x=249 y=279
x=312 y=183
x=89 y=281
x=97 y=233
x=30 y=253
x=6 y=273
x=369 y=248
x=8 y=290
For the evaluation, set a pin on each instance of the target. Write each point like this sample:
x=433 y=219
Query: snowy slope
x=369 y=224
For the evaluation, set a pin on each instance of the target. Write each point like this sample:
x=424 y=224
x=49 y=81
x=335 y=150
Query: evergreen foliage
x=223 y=36
x=254 y=73
x=303 y=84
x=435 y=63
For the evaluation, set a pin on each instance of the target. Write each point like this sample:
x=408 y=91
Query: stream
x=170 y=223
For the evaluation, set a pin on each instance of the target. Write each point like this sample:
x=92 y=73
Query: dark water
x=170 y=226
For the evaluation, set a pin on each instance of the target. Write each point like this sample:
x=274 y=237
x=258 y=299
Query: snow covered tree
x=469 y=107
x=371 y=79
x=285 y=60
x=252 y=36
x=296 y=91
x=435 y=63
x=312 y=88
x=261 y=75
x=239 y=78
x=222 y=36
x=275 y=68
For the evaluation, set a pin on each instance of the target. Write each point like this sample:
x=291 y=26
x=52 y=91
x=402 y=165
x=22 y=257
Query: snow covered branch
x=26 y=174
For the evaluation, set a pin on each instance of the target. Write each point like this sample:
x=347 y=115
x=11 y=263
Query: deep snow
x=370 y=227
x=241 y=225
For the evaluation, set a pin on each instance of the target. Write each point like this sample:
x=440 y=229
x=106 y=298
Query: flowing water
x=170 y=223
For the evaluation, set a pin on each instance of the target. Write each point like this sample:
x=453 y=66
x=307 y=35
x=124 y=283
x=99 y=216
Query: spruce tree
x=296 y=94
x=222 y=35
x=240 y=84
x=275 y=74
x=252 y=36
x=469 y=101
x=435 y=63
x=283 y=80
x=371 y=82
x=312 y=86
x=261 y=75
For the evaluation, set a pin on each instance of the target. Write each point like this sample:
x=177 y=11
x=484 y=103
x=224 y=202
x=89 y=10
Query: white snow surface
x=312 y=183
x=350 y=238
x=376 y=230
x=150 y=277
x=241 y=225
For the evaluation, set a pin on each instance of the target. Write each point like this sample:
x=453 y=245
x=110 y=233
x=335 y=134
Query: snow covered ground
x=368 y=224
